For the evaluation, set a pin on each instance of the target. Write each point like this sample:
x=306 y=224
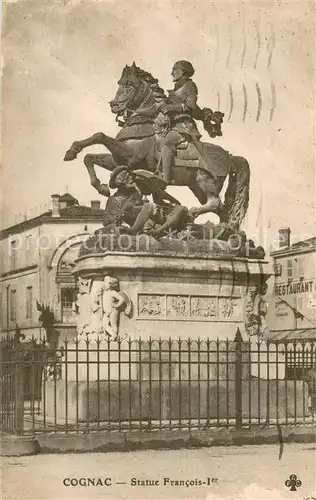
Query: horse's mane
x=158 y=92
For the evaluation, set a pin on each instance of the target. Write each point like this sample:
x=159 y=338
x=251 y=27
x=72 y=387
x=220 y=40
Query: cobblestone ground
x=248 y=472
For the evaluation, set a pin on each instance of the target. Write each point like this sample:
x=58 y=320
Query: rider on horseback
x=174 y=120
x=137 y=105
x=181 y=108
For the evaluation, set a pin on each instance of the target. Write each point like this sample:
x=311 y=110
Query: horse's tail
x=237 y=193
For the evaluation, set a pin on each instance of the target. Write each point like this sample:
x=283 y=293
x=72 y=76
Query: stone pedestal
x=171 y=292
x=188 y=293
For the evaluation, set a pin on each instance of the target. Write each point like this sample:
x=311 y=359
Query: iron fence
x=86 y=386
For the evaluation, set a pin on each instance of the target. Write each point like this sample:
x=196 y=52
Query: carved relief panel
x=189 y=307
x=151 y=306
x=178 y=306
x=230 y=308
x=203 y=307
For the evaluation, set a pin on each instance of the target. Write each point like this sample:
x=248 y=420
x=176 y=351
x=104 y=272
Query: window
x=301 y=267
x=289 y=269
x=13 y=254
x=67 y=304
x=29 y=302
x=277 y=268
x=13 y=305
x=29 y=250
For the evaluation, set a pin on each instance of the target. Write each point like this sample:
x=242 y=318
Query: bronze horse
x=136 y=144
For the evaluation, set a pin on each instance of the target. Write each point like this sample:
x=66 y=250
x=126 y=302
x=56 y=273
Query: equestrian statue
x=159 y=143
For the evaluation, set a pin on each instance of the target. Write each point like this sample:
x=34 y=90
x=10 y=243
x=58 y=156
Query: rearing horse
x=136 y=144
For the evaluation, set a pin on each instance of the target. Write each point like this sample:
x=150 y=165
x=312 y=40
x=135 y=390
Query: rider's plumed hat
x=116 y=171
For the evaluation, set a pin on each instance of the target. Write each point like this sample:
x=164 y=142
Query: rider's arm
x=192 y=107
x=190 y=103
x=187 y=102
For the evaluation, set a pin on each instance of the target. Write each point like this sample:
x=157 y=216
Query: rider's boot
x=167 y=157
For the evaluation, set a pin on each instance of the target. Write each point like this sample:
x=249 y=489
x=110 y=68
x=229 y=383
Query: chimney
x=95 y=204
x=284 y=237
x=56 y=207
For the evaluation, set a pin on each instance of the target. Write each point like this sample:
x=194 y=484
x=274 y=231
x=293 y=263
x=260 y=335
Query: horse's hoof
x=193 y=213
x=104 y=189
x=70 y=155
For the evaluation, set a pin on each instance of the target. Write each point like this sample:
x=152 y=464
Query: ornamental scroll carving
x=256 y=310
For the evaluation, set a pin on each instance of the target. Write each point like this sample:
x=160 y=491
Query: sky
x=61 y=62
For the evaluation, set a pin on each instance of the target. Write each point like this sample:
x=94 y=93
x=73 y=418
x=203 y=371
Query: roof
x=299 y=334
x=81 y=211
x=72 y=213
x=305 y=243
x=301 y=246
x=68 y=197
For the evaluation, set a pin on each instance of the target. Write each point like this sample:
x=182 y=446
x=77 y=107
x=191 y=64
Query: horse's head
x=129 y=84
x=137 y=88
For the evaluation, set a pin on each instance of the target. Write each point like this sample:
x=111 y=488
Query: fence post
x=238 y=379
x=13 y=440
x=18 y=391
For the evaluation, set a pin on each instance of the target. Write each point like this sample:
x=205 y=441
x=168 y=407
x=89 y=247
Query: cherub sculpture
x=113 y=303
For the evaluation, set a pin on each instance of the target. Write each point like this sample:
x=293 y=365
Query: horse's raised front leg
x=116 y=147
x=105 y=161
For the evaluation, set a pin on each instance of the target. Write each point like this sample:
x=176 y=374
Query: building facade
x=37 y=257
x=292 y=311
